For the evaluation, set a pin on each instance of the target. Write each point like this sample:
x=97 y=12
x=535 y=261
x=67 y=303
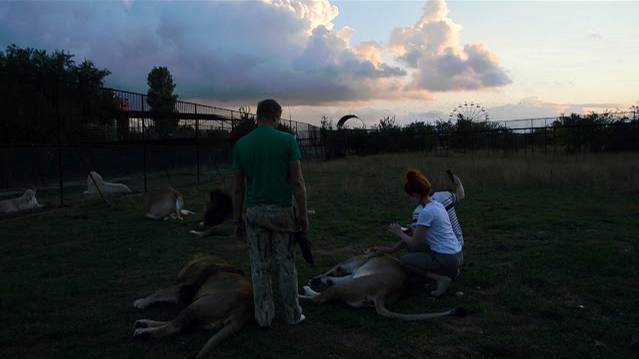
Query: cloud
x=222 y=51
x=594 y=36
x=534 y=107
x=240 y=52
x=428 y=117
x=431 y=47
x=315 y=13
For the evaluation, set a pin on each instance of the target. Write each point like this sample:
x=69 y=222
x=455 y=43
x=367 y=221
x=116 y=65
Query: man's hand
x=302 y=222
x=240 y=230
x=299 y=190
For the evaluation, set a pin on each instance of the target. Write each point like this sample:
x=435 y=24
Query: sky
x=415 y=60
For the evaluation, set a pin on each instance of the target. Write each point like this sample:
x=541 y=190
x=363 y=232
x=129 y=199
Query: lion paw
x=140 y=323
x=139 y=304
x=141 y=333
x=309 y=292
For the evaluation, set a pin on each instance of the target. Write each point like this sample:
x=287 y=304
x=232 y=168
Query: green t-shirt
x=264 y=156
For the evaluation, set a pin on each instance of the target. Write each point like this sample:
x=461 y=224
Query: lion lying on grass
x=96 y=185
x=215 y=296
x=25 y=202
x=367 y=280
x=164 y=205
x=217 y=216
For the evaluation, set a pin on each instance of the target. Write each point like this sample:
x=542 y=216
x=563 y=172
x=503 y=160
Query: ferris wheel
x=469 y=111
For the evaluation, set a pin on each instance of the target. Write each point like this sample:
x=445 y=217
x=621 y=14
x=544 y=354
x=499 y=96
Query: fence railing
x=136 y=147
x=195 y=116
x=526 y=124
x=594 y=132
x=147 y=150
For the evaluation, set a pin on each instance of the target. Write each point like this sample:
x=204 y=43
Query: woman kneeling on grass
x=433 y=249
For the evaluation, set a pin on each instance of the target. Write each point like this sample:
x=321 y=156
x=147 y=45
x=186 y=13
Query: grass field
x=550 y=267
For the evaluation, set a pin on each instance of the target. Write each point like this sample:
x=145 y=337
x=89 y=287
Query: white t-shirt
x=439 y=233
x=448 y=200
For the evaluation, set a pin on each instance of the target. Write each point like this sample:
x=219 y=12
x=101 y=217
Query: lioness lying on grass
x=371 y=279
x=215 y=296
x=97 y=185
x=25 y=202
x=164 y=205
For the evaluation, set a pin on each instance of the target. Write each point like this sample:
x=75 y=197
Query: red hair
x=416 y=183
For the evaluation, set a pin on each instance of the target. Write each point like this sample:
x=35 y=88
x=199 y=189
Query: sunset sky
x=412 y=59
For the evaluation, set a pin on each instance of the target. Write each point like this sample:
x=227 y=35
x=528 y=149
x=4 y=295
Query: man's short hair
x=269 y=110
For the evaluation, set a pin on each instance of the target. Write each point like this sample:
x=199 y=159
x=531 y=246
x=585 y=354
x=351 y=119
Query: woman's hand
x=383 y=250
x=371 y=250
x=395 y=229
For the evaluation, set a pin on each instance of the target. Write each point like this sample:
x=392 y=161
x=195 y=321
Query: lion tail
x=381 y=309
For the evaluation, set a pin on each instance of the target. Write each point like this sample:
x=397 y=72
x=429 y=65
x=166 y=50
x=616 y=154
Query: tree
x=326 y=128
x=388 y=125
x=162 y=100
x=635 y=113
x=245 y=125
x=417 y=136
x=39 y=87
x=98 y=107
x=286 y=128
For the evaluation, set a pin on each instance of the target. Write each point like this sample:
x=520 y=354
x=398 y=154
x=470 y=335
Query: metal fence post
x=545 y=137
x=59 y=130
x=554 y=141
x=197 y=147
x=533 y=137
x=144 y=143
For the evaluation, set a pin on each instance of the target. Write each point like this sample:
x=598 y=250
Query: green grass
x=550 y=267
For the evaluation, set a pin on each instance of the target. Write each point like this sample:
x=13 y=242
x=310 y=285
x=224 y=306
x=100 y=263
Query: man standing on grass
x=266 y=166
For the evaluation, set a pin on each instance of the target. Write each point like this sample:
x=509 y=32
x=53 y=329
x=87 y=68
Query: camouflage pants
x=270 y=234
